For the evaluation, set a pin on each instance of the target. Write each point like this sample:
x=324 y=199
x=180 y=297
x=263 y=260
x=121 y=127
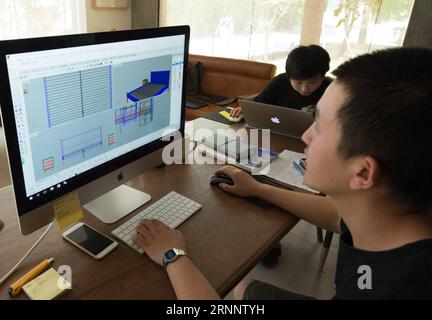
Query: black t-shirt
x=401 y=273
x=280 y=92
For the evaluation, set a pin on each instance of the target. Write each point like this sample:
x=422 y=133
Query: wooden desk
x=226 y=239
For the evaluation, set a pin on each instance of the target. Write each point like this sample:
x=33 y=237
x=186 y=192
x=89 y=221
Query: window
x=266 y=30
x=37 y=18
x=353 y=27
x=245 y=29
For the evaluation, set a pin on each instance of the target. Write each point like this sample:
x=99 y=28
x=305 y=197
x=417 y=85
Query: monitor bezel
x=23 y=204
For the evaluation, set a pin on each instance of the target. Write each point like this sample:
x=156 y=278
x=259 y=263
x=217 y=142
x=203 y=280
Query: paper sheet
x=282 y=170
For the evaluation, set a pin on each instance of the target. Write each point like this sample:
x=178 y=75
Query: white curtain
x=37 y=18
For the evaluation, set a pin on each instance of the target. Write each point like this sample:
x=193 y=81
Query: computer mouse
x=234 y=119
x=237 y=119
x=215 y=180
x=227 y=115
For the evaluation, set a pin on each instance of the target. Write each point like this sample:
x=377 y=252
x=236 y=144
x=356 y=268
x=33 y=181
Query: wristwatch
x=172 y=255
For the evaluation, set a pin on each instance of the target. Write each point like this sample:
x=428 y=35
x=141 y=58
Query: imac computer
x=86 y=113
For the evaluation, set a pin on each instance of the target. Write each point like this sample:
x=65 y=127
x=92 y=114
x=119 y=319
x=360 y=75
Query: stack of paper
x=49 y=285
x=223 y=147
x=258 y=162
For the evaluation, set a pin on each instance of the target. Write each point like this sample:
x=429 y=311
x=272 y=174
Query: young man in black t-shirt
x=303 y=83
x=369 y=150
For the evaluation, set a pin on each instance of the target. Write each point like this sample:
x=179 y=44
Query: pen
x=298 y=168
x=16 y=287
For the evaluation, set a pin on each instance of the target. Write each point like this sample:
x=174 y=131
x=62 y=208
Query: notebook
x=49 y=285
x=209 y=98
x=195 y=104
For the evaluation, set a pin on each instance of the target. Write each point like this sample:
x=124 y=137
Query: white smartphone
x=90 y=240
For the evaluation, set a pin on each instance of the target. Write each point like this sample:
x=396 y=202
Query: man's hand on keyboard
x=156 y=238
x=244 y=184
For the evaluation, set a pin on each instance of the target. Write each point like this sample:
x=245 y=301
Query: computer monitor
x=87 y=113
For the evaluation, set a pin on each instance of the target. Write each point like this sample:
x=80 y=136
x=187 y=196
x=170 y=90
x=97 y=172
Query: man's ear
x=367 y=172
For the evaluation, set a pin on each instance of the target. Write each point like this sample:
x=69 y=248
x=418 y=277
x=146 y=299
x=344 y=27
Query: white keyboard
x=172 y=209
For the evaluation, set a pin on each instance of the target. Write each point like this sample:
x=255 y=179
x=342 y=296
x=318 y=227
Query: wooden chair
x=326 y=244
x=325 y=248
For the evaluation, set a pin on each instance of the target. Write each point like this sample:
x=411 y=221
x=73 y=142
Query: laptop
x=281 y=120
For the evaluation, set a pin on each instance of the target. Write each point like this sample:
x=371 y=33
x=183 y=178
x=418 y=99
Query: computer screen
x=77 y=107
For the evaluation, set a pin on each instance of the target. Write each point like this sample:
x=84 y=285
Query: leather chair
x=233 y=77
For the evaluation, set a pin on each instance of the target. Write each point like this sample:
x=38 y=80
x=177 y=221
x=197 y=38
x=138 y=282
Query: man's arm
x=188 y=282
x=317 y=210
x=314 y=209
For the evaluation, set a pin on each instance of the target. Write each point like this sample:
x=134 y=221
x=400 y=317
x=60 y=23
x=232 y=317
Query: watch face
x=170 y=254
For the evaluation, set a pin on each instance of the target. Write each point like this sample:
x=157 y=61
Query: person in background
x=377 y=200
x=303 y=83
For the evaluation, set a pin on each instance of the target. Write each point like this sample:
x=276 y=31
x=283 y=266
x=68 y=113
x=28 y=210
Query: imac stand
x=119 y=202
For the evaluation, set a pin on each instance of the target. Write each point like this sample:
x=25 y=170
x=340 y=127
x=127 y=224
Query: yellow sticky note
x=49 y=285
x=225 y=114
x=68 y=210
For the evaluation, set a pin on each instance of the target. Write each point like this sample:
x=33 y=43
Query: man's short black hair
x=305 y=62
x=388 y=116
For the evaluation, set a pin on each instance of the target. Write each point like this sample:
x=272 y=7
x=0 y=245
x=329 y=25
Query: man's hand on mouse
x=244 y=184
x=235 y=112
